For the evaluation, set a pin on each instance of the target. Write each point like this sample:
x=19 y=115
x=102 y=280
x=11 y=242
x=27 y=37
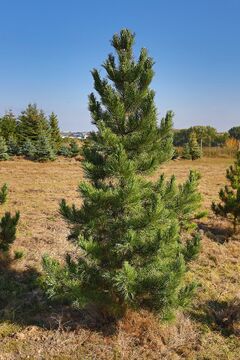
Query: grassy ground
x=33 y=328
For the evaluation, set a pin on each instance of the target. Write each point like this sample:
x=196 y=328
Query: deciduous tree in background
x=128 y=229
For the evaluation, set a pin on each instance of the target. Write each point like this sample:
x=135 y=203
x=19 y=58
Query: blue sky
x=48 y=47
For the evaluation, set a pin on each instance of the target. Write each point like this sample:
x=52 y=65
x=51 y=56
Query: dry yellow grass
x=201 y=333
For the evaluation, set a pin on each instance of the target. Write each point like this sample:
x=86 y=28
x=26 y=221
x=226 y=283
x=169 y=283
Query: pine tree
x=28 y=149
x=3 y=149
x=32 y=123
x=229 y=207
x=3 y=194
x=74 y=149
x=8 y=126
x=64 y=151
x=192 y=150
x=8 y=223
x=56 y=138
x=195 y=149
x=128 y=232
x=44 y=150
x=13 y=148
x=8 y=228
x=186 y=152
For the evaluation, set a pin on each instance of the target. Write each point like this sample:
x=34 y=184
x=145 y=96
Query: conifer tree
x=127 y=229
x=8 y=126
x=64 y=151
x=12 y=145
x=32 y=123
x=3 y=149
x=195 y=149
x=43 y=149
x=8 y=224
x=191 y=149
x=28 y=149
x=56 y=139
x=3 y=194
x=8 y=228
x=186 y=152
x=74 y=149
x=229 y=207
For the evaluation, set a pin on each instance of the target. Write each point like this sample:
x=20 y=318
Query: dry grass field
x=33 y=328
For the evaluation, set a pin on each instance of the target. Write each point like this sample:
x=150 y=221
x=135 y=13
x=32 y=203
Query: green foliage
x=3 y=149
x=56 y=139
x=8 y=126
x=74 y=149
x=8 y=223
x=229 y=207
x=234 y=132
x=186 y=152
x=64 y=151
x=28 y=149
x=3 y=194
x=128 y=229
x=8 y=227
x=191 y=149
x=18 y=254
x=32 y=123
x=195 y=149
x=13 y=148
x=206 y=135
x=182 y=200
x=44 y=150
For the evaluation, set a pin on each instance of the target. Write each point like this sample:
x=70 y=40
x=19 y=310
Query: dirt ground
x=33 y=328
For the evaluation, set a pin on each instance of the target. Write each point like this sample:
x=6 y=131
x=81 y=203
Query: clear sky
x=48 y=47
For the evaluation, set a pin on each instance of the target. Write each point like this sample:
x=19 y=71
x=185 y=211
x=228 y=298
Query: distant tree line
x=206 y=136
x=33 y=135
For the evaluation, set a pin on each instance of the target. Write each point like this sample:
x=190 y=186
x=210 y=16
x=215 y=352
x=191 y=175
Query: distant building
x=81 y=135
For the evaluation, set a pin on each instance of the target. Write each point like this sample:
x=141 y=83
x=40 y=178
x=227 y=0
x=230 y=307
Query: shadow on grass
x=216 y=233
x=220 y=316
x=24 y=303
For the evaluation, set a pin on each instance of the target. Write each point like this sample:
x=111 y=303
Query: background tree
x=195 y=149
x=73 y=149
x=8 y=224
x=12 y=145
x=131 y=250
x=3 y=149
x=186 y=152
x=234 y=132
x=8 y=126
x=28 y=149
x=229 y=207
x=56 y=139
x=43 y=149
x=32 y=123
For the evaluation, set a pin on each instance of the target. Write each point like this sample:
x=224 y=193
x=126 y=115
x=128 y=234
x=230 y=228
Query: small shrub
x=18 y=254
x=8 y=227
x=3 y=194
x=229 y=207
